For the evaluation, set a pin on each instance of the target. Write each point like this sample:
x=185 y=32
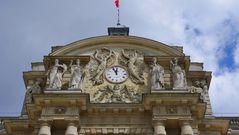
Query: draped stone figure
x=55 y=75
x=102 y=59
x=132 y=66
x=179 y=80
x=76 y=75
x=157 y=75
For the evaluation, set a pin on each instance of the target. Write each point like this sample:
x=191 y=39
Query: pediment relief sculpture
x=100 y=60
x=116 y=94
x=111 y=74
x=134 y=63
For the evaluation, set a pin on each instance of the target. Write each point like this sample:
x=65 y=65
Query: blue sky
x=207 y=29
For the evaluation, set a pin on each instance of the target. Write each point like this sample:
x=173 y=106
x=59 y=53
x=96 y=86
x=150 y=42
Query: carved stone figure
x=55 y=75
x=76 y=75
x=133 y=67
x=205 y=90
x=197 y=83
x=116 y=94
x=157 y=75
x=102 y=59
x=2 y=128
x=179 y=80
x=199 y=87
x=33 y=88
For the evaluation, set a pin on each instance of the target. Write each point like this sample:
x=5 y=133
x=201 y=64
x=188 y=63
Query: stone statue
x=179 y=80
x=204 y=90
x=102 y=59
x=157 y=75
x=33 y=88
x=55 y=75
x=76 y=75
x=132 y=66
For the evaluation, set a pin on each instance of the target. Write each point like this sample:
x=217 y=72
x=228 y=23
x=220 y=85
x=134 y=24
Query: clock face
x=116 y=74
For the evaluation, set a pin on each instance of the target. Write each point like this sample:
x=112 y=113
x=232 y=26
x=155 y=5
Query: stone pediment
x=116 y=85
x=148 y=46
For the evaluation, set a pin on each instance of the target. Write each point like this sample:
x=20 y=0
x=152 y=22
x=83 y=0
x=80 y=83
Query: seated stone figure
x=179 y=80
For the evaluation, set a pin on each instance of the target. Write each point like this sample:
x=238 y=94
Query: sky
x=207 y=29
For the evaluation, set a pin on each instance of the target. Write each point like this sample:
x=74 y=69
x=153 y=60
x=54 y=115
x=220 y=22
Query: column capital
x=45 y=129
x=45 y=124
x=71 y=129
x=159 y=128
x=186 y=128
x=158 y=122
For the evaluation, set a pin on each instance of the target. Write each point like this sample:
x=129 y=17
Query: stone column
x=45 y=129
x=159 y=128
x=186 y=129
x=71 y=129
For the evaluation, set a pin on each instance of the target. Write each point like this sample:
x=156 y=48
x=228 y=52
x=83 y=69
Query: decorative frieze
x=60 y=111
x=116 y=130
x=116 y=94
x=171 y=111
x=115 y=120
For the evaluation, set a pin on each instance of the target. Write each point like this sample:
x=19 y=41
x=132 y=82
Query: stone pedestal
x=186 y=129
x=71 y=129
x=159 y=129
x=45 y=129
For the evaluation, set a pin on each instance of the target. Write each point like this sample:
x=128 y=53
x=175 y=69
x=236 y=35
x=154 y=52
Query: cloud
x=207 y=29
x=224 y=93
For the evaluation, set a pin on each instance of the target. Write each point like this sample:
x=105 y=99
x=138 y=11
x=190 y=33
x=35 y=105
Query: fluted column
x=186 y=129
x=159 y=128
x=45 y=129
x=71 y=129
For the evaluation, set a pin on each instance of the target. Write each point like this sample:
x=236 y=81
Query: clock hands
x=115 y=70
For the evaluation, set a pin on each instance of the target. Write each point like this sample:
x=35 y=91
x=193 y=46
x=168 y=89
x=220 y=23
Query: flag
x=117 y=3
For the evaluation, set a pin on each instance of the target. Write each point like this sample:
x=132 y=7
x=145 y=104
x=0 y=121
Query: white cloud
x=224 y=93
x=204 y=28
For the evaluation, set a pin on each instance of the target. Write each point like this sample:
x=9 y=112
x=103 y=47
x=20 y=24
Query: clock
x=116 y=74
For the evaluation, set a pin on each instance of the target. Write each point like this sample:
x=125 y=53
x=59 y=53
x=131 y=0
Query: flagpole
x=118 y=22
x=117 y=4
